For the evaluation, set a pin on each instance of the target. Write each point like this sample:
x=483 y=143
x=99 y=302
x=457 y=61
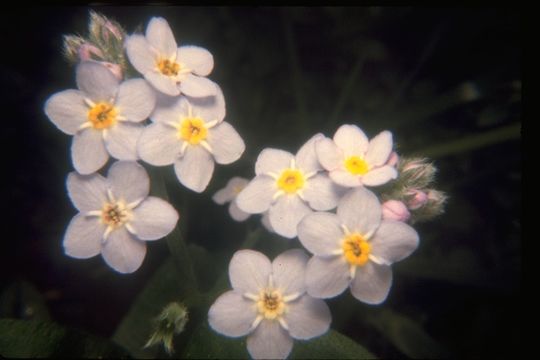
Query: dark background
x=446 y=82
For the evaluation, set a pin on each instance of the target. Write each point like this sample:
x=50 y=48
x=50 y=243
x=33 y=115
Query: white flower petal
x=379 y=176
x=320 y=233
x=236 y=213
x=87 y=192
x=121 y=140
x=306 y=157
x=96 y=81
x=88 y=151
x=140 y=54
x=288 y=270
x=360 y=211
x=209 y=108
x=160 y=36
x=328 y=154
x=269 y=341
x=123 y=252
x=394 y=241
x=160 y=82
x=83 y=237
x=345 y=178
x=153 y=219
x=229 y=192
x=352 y=140
x=129 y=181
x=196 y=86
x=159 y=145
x=307 y=318
x=67 y=110
x=286 y=213
x=232 y=314
x=198 y=59
x=321 y=193
x=194 y=170
x=249 y=271
x=327 y=277
x=257 y=195
x=372 y=283
x=135 y=100
x=272 y=160
x=227 y=146
x=380 y=148
x=169 y=109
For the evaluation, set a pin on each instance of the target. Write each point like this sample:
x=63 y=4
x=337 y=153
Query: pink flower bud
x=86 y=50
x=113 y=29
x=418 y=199
x=413 y=165
x=395 y=210
x=393 y=159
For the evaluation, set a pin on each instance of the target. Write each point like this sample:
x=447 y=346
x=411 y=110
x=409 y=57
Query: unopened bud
x=72 y=45
x=395 y=210
x=416 y=199
x=113 y=29
x=170 y=322
x=87 y=50
x=417 y=172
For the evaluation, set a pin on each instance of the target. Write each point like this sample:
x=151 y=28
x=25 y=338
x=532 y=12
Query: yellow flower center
x=291 y=180
x=356 y=249
x=102 y=115
x=115 y=214
x=270 y=304
x=168 y=68
x=356 y=166
x=193 y=130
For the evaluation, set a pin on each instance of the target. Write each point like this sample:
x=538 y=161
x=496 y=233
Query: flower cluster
x=325 y=194
x=107 y=117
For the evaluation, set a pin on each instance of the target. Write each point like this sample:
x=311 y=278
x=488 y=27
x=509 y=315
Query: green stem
x=473 y=142
x=347 y=88
x=295 y=67
x=175 y=241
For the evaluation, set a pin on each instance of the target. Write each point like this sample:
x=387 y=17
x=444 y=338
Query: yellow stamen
x=291 y=181
x=270 y=304
x=168 y=68
x=357 y=166
x=193 y=130
x=356 y=249
x=115 y=214
x=102 y=115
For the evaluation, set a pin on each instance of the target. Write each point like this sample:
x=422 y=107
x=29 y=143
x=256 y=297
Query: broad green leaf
x=332 y=345
x=407 y=335
x=207 y=344
x=29 y=338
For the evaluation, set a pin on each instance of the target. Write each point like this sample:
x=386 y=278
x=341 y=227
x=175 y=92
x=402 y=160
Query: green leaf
x=207 y=344
x=406 y=335
x=30 y=338
x=332 y=345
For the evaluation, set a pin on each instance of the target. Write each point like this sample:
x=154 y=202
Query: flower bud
x=170 y=322
x=395 y=210
x=87 y=50
x=416 y=199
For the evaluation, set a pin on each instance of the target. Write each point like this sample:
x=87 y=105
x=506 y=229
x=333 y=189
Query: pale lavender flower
x=269 y=304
